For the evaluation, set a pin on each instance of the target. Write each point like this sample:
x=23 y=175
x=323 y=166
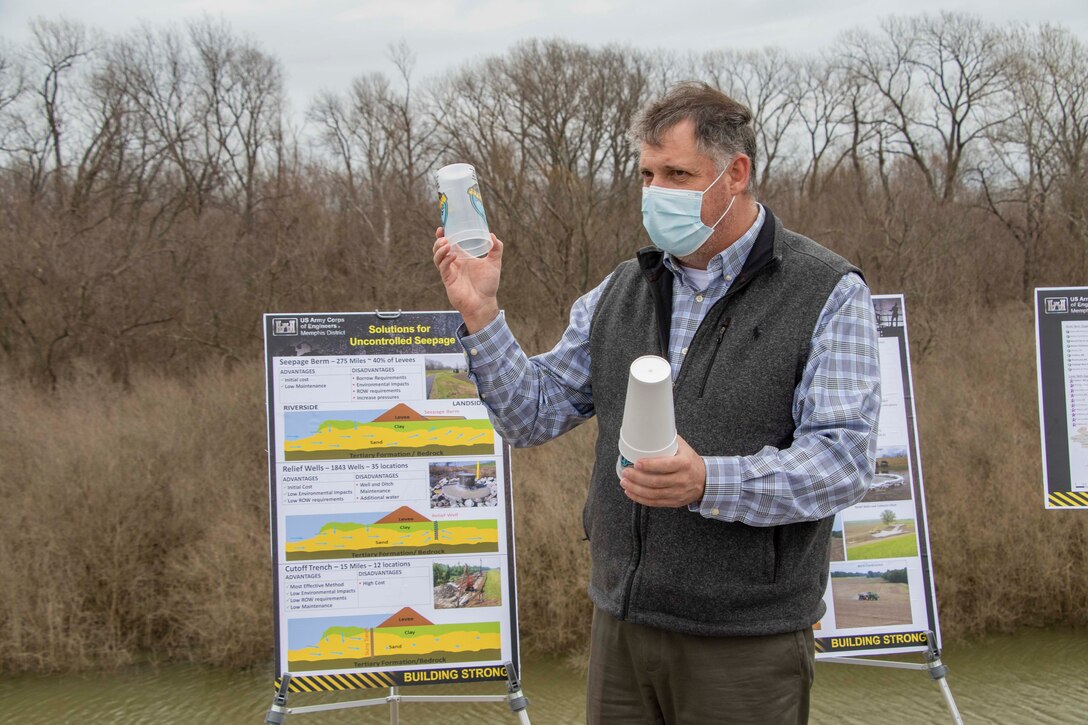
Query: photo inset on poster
x=838 y=545
x=463 y=484
x=870 y=595
x=397 y=432
x=882 y=534
x=460 y=584
x=891 y=482
x=889 y=311
x=447 y=377
x=387 y=640
x=404 y=532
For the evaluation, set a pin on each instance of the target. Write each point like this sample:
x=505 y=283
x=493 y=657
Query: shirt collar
x=727 y=263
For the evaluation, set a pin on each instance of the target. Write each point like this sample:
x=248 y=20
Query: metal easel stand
x=937 y=670
x=517 y=701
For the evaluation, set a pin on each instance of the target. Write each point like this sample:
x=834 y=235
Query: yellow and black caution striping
x=820 y=646
x=1067 y=499
x=332 y=683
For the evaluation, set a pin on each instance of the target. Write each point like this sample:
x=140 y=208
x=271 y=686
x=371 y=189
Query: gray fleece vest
x=673 y=568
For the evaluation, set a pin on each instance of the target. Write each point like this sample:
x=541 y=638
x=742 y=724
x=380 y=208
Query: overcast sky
x=323 y=44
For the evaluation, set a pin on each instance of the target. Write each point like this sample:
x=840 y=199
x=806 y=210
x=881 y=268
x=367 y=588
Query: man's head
x=722 y=127
x=696 y=139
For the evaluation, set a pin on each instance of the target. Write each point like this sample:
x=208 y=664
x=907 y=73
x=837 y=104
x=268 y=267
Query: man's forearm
x=529 y=400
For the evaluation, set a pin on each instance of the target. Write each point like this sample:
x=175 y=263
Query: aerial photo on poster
x=463 y=484
x=838 y=546
x=870 y=594
x=447 y=377
x=466 y=584
x=892 y=481
x=883 y=534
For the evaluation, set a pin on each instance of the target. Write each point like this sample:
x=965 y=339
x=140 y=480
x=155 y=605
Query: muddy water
x=1033 y=677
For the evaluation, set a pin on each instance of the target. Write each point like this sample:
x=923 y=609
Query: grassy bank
x=135 y=519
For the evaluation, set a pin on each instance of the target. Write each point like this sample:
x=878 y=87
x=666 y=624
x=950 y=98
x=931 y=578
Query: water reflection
x=1034 y=677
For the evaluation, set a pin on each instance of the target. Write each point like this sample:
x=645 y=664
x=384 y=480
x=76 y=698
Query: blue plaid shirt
x=835 y=407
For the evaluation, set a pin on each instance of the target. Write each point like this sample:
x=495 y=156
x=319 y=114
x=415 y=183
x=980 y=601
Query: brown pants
x=646 y=675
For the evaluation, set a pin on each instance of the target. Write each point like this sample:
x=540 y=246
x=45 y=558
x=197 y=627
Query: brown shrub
x=126 y=514
x=136 y=520
x=1002 y=561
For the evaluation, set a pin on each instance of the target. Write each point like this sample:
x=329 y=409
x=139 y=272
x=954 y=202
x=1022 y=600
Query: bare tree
x=546 y=125
x=767 y=82
x=182 y=204
x=1035 y=157
x=938 y=78
x=243 y=86
x=12 y=82
x=1061 y=66
x=157 y=71
x=824 y=111
x=58 y=46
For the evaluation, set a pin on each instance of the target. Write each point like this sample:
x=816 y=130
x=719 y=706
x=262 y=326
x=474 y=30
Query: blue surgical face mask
x=674 y=218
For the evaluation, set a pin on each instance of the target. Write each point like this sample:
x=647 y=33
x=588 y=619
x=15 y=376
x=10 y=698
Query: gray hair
x=723 y=126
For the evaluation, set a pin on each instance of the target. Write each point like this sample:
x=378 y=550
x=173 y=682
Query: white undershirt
x=698 y=279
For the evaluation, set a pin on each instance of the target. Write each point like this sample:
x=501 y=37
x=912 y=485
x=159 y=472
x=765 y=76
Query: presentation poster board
x=1061 y=348
x=391 y=514
x=880 y=597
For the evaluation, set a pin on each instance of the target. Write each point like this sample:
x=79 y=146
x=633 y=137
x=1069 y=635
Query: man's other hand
x=667 y=481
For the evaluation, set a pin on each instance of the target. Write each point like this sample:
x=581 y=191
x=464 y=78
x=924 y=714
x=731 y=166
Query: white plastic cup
x=462 y=209
x=649 y=422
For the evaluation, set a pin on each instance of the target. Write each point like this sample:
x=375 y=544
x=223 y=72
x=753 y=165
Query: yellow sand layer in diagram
x=334 y=647
x=383 y=536
x=388 y=643
x=368 y=436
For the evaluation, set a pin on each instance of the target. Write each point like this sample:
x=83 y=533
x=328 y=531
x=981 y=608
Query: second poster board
x=880 y=596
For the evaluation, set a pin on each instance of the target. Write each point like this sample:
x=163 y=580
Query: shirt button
x=728 y=278
x=698 y=298
x=473 y=351
x=714 y=512
x=684 y=351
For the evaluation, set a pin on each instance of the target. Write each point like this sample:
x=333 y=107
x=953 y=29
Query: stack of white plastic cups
x=649 y=422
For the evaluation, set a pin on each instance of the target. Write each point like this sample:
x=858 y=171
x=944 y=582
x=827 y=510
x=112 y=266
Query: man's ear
x=739 y=171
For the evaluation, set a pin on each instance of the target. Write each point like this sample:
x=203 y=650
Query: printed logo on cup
x=462 y=209
x=477 y=200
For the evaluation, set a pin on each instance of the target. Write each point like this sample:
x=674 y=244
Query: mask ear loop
x=715 y=224
x=716 y=179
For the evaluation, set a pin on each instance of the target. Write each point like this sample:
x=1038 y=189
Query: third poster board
x=880 y=596
x=1061 y=346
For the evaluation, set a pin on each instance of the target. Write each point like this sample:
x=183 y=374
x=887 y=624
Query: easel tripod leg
x=938 y=671
x=394 y=706
x=515 y=698
x=278 y=712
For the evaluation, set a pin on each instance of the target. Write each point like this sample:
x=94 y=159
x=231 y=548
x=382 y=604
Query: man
x=708 y=566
